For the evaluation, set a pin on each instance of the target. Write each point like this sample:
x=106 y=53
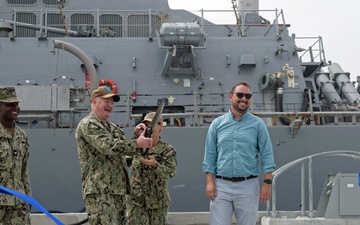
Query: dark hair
x=239 y=84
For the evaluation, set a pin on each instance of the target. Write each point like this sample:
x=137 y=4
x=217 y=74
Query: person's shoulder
x=114 y=125
x=89 y=121
x=91 y=118
x=222 y=117
x=168 y=148
x=254 y=117
x=256 y=120
x=20 y=131
x=167 y=144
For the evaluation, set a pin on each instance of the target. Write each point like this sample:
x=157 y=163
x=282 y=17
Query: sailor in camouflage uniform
x=101 y=148
x=14 y=155
x=149 y=197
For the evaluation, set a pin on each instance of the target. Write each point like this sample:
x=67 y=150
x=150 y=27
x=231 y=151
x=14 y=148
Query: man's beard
x=238 y=109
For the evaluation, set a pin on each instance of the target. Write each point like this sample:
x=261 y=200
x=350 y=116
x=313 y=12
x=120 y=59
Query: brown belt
x=236 y=179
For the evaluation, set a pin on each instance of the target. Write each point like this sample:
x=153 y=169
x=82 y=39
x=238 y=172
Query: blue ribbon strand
x=31 y=201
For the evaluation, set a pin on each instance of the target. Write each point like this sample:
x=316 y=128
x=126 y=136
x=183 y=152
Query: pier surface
x=201 y=218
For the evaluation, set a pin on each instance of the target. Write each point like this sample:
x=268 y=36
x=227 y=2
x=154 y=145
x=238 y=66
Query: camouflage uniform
x=149 y=197
x=14 y=155
x=101 y=148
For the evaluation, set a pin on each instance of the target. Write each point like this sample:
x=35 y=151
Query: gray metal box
x=349 y=195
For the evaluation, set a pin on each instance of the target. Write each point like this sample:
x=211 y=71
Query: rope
x=63 y=18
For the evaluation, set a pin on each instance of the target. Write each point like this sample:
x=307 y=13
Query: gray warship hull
x=59 y=169
x=55 y=54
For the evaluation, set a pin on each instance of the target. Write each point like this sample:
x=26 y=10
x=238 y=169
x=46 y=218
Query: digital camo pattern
x=8 y=94
x=102 y=147
x=149 y=185
x=14 y=155
x=15 y=215
x=141 y=215
x=106 y=209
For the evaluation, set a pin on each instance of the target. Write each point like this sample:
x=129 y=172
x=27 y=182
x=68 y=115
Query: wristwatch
x=268 y=181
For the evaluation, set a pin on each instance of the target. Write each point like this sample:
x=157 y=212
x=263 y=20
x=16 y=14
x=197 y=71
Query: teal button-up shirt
x=233 y=146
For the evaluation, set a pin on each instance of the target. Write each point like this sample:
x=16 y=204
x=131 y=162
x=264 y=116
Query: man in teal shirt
x=233 y=144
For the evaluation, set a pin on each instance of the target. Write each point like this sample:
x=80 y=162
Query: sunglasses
x=240 y=95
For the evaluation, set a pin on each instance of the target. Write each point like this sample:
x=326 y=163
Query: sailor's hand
x=144 y=142
x=150 y=162
x=139 y=129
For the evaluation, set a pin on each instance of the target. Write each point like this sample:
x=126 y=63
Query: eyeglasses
x=240 y=95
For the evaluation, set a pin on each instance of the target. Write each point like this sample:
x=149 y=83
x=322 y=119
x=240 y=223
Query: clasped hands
x=142 y=141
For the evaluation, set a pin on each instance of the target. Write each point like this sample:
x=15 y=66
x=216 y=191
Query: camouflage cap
x=149 y=117
x=104 y=92
x=8 y=94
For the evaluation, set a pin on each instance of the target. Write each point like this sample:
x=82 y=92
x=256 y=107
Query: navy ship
x=55 y=52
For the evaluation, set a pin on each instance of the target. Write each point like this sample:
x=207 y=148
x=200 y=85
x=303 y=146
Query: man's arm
x=265 y=193
x=210 y=186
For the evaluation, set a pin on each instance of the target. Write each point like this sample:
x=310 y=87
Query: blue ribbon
x=31 y=201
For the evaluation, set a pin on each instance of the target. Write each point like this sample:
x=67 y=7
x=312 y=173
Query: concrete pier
x=202 y=218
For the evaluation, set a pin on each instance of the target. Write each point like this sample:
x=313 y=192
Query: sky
x=336 y=21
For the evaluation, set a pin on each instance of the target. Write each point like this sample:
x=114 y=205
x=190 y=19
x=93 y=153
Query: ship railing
x=197 y=118
x=241 y=23
x=91 y=25
x=314 y=51
x=271 y=203
x=226 y=19
x=91 y=22
x=337 y=116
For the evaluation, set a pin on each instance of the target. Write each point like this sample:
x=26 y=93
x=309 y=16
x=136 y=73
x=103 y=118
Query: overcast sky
x=336 y=21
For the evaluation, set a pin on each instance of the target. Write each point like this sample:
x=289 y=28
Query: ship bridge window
x=53 y=2
x=138 y=25
x=110 y=25
x=21 y=2
x=25 y=18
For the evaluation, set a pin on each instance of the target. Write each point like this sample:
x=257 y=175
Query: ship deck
x=202 y=218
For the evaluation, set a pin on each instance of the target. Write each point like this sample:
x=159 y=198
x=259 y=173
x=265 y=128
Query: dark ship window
x=112 y=22
x=54 y=20
x=82 y=20
x=29 y=18
x=21 y=2
x=138 y=25
x=54 y=2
